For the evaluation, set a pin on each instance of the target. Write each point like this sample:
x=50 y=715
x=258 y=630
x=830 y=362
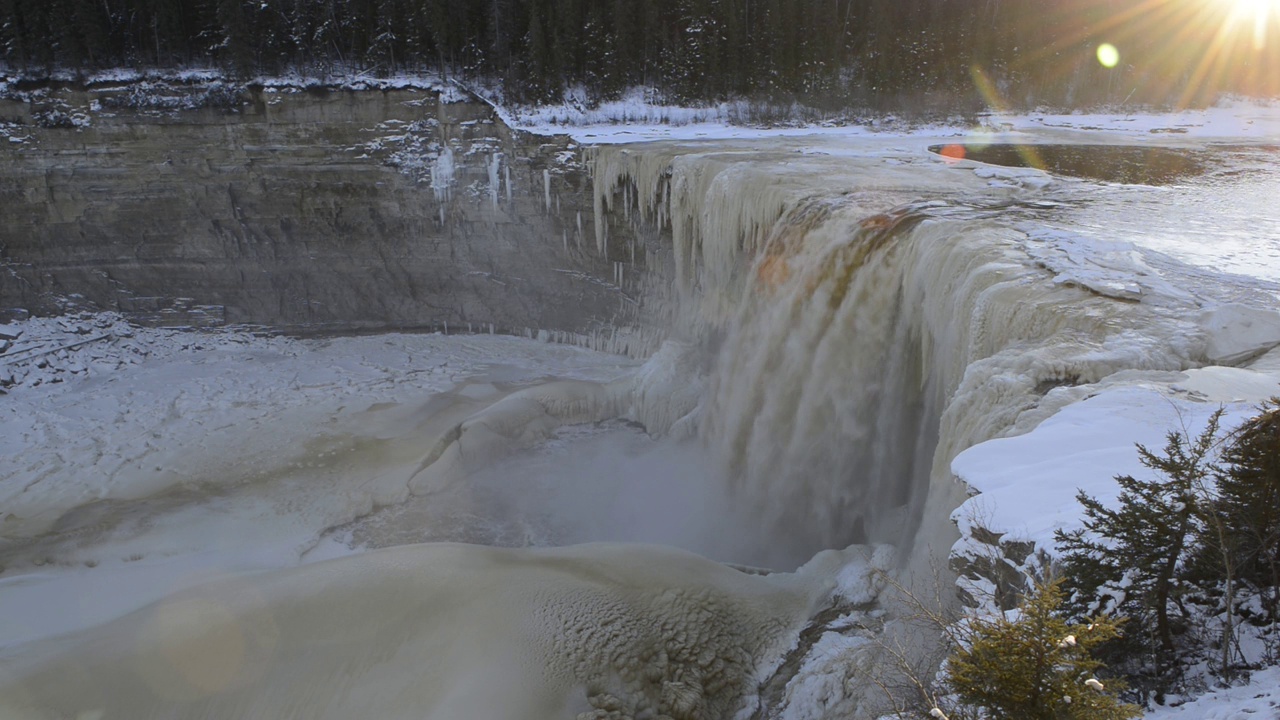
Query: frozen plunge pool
x=843 y=317
x=245 y=454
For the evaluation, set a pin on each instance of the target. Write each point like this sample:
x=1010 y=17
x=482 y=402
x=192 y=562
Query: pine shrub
x=1036 y=665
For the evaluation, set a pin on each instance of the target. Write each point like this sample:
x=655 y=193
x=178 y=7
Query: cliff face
x=327 y=211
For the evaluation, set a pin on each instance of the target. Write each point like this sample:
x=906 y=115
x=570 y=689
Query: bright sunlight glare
x=1257 y=12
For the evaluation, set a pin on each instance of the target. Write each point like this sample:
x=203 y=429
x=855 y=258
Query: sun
x=1250 y=8
x=1184 y=53
x=1229 y=53
x=1256 y=12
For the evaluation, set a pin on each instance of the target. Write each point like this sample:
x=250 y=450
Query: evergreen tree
x=1036 y=666
x=1128 y=559
x=1238 y=564
x=542 y=77
x=1248 y=484
x=827 y=53
x=234 y=31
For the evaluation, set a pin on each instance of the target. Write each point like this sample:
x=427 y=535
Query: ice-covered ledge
x=1025 y=486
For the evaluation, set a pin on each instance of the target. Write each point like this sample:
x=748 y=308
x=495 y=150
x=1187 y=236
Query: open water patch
x=1109 y=163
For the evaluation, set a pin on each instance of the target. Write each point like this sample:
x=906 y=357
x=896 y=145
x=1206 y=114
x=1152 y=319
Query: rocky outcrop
x=307 y=210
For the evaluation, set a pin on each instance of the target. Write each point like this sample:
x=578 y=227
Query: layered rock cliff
x=320 y=210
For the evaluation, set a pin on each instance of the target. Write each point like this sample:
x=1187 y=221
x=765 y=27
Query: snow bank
x=1258 y=699
x=640 y=116
x=1026 y=484
x=337 y=77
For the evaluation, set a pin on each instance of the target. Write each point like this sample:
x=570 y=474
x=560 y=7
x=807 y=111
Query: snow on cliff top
x=635 y=118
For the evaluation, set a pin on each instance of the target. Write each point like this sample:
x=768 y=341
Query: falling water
x=860 y=334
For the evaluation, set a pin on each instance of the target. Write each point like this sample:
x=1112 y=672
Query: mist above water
x=609 y=482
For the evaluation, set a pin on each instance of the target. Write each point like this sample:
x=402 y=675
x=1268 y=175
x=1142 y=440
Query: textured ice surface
x=437 y=631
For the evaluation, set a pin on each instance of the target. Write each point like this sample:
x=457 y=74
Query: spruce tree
x=1249 y=499
x=1128 y=559
x=1036 y=666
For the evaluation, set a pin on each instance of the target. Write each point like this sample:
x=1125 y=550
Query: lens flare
x=952 y=152
x=1108 y=55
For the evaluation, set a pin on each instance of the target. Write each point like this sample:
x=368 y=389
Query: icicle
x=442 y=175
x=602 y=227
x=494 y=161
x=446 y=328
x=564 y=234
x=668 y=219
x=546 y=189
x=506 y=171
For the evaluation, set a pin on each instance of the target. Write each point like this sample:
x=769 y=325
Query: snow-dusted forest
x=923 y=55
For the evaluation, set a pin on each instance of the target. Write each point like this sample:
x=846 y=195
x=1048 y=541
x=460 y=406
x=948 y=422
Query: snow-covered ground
x=1259 y=699
x=1027 y=484
x=635 y=118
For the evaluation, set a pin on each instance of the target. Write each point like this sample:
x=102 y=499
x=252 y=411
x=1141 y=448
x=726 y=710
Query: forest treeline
x=825 y=53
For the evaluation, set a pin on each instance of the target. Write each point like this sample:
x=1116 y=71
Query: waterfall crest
x=861 y=333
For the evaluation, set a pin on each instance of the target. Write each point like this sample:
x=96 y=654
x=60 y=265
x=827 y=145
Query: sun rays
x=1188 y=52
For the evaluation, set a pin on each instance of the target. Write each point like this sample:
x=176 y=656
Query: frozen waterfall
x=865 y=325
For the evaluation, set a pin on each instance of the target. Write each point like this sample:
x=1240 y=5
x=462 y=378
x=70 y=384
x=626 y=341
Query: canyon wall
x=307 y=210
